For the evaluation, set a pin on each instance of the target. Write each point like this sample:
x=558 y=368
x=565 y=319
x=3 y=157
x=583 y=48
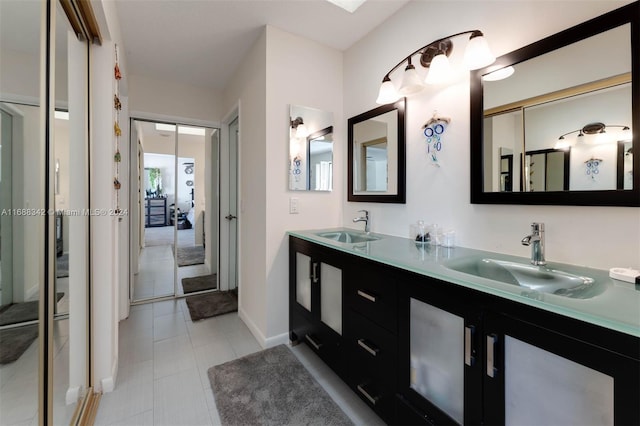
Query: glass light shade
x=387 y=93
x=302 y=131
x=626 y=135
x=411 y=82
x=562 y=144
x=477 y=54
x=602 y=137
x=499 y=74
x=439 y=70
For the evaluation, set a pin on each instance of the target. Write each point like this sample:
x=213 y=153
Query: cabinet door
x=438 y=349
x=303 y=277
x=532 y=374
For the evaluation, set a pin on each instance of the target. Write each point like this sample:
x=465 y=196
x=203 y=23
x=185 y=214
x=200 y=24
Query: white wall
x=247 y=93
x=276 y=80
x=442 y=194
x=299 y=72
x=173 y=99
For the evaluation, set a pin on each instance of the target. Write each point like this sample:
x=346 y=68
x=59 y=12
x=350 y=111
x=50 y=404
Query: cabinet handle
x=368 y=347
x=372 y=399
x=366 y=295
x=313 y=343
x=492 y=339
x=468 y=339
x=314 y=272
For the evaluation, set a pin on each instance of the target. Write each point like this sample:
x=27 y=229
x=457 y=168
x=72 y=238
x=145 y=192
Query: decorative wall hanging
x=433 y=130
x=296 y=170
x=117 y=106
x=592 y=167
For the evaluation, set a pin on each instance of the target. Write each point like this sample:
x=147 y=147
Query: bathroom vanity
x=432 y=335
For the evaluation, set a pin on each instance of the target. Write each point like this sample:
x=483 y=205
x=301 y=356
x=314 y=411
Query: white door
x=232 y=216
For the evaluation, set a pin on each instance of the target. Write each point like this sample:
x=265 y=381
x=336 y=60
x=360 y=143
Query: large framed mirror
x=559 y=129
x=310 y=149
x=376 y=155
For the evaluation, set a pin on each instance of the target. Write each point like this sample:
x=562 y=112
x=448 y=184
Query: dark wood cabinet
x=419 y=350
x=315 y=302
x=155 y=212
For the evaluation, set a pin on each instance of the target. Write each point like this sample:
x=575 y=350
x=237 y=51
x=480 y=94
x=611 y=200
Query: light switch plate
x=294 y=205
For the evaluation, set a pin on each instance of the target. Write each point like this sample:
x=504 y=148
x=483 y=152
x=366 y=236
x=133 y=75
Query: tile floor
x=163 y=363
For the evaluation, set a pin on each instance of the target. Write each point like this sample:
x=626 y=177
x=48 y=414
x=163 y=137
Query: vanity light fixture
x=597 y=129
x=434 y=56
x=299 y=127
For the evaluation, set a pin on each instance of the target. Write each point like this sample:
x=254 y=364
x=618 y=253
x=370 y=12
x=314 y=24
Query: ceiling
x=202 y=42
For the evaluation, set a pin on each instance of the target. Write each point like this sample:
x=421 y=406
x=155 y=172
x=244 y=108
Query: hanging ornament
x=433 y=130
x=591 y=166
x=117 y=158
x=116 y=183
x=116 y=103
x=117 y=73
x=116 y=128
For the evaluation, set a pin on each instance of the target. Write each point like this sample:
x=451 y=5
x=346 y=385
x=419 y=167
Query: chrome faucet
x=364 y=219
x=536 y=241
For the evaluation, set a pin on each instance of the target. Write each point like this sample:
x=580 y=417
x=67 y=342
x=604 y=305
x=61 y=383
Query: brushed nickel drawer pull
x=366 y=295
x=468 y=338
x=372 y=399
x=492 y=339
x=367 y=347
x=313 y=343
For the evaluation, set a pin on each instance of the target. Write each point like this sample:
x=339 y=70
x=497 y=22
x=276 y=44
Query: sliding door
x=177 y=172
x=44 y=334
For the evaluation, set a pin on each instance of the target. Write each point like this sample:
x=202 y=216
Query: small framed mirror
x=310 y=149
x=376 y=155
x=558 y=128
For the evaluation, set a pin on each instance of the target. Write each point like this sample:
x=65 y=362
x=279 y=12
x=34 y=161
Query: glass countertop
x=616 y=307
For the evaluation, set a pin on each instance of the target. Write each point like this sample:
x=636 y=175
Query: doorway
x=175 y=236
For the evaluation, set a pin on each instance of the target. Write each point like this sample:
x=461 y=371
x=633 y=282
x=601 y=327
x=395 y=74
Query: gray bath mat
x=190 y=255
x=14 y=341
x=21 y=312
x=212 y=304
x=271 y=387
x=204 y=282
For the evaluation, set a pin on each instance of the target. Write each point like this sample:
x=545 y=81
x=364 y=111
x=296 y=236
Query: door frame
x=135 y=206
x=233 y=114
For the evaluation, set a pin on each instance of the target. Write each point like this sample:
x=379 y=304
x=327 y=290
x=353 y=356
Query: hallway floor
x=163 y=363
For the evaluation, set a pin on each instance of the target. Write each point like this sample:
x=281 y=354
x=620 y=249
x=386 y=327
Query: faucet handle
x=366 y=212
x=537 y=227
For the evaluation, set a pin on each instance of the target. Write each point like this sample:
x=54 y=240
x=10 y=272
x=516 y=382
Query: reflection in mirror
x=321 y=159
x=307 y=126
x=21 y=188
x=560 y=96
x=376 y=155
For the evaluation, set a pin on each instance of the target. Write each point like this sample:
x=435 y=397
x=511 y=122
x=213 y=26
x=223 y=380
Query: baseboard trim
x=108 y=384
x=73 y=395
x=265 y=342
x=252 y=327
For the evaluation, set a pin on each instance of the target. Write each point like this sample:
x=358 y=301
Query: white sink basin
x=350 y=237
x=538 y=278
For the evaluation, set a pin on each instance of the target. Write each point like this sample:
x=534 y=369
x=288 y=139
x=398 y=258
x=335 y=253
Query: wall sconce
x=299 y=127
x=593 y=129
x=434 y=56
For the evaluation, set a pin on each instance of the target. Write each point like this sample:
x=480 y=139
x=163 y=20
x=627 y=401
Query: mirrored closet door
x=175 y=244
x=44 y=280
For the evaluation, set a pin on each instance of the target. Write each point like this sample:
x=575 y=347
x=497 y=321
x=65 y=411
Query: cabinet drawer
x=370 y=346
x=328 y=345
x=372 y=292
x=375 y=392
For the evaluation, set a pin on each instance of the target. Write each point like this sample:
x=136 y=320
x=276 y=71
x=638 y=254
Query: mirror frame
x=400 y=196
x=629 y=14
x=310 y=138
